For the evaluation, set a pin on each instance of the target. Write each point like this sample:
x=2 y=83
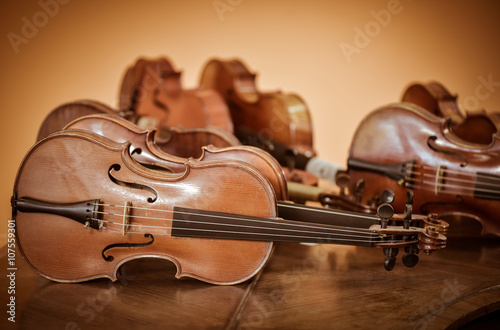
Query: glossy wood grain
x=302 y=287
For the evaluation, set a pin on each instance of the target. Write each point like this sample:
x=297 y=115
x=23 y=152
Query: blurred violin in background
x=67 y=112
x=277 y=122
x=151 y=89
x=406 y=146
x=179 y=141
x=472 y=126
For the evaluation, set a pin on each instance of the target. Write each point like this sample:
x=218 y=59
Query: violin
x=406 y=147
x=216 y=221
x=144 y=149
x=67 y=112
x=174 y=140
x=151 y=88
x=277 y=122
x=473 y=127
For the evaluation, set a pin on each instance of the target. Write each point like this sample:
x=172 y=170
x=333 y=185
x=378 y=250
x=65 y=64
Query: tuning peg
x=407 y=216
x=384 y=212
x=410 y=258
x=408 y=209
x=387 y=196
x=409 y=197
x=291 y=156
x=342 y=180
x=360 y=189
x=390 y=258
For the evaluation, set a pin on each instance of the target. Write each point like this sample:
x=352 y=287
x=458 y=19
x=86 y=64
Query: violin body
x=84 y=166
x=404 y=146
x=283 y=117
x=279 y=123
x=151 y=88
x=146 y=151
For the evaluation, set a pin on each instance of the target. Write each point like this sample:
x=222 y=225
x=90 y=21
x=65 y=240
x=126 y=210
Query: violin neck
x=287 y=156
x=206 y=224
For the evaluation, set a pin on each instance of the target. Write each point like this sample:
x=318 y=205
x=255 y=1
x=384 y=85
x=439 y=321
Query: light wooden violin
x=216 y=220
x=277 y=122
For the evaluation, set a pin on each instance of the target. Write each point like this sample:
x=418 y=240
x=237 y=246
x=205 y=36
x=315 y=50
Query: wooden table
x=301 y=287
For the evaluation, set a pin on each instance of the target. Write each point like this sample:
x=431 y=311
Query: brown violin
x=67 y=112
x=215 y=221
x=277 y=122
x=404 y=146
x=178 y=141
x=151 y=88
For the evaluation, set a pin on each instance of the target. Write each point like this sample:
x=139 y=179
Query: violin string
x=492 y=179
x=333 y=212
x=449 y=186
x=294 y=206
x=303 y=226
x=328 y=211
x=376 y=238
x=319 y=238
x=450 y=178
x=458 y=172
x=430 y=187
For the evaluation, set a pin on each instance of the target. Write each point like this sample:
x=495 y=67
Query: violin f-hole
x=117 y=167
x=430 y=143
x=110 y=258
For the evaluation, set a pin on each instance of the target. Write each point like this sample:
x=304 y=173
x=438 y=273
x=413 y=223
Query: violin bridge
x=126 y=217
x=439 y=181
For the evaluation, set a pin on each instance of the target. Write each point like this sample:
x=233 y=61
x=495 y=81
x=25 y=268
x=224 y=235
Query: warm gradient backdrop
x=81 y=49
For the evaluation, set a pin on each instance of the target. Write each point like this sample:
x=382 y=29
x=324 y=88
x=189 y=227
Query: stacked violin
x=152 y=96
x=277 y=122
x=450 y=161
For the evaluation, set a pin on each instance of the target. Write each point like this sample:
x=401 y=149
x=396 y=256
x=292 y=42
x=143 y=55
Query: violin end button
x=390 y=258
x=389 y=264
x=409 y=197
x=410 y=260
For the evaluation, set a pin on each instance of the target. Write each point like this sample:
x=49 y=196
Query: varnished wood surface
x=301 y=287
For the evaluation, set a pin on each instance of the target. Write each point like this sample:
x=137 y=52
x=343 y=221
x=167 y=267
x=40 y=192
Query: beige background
x=83 y=50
